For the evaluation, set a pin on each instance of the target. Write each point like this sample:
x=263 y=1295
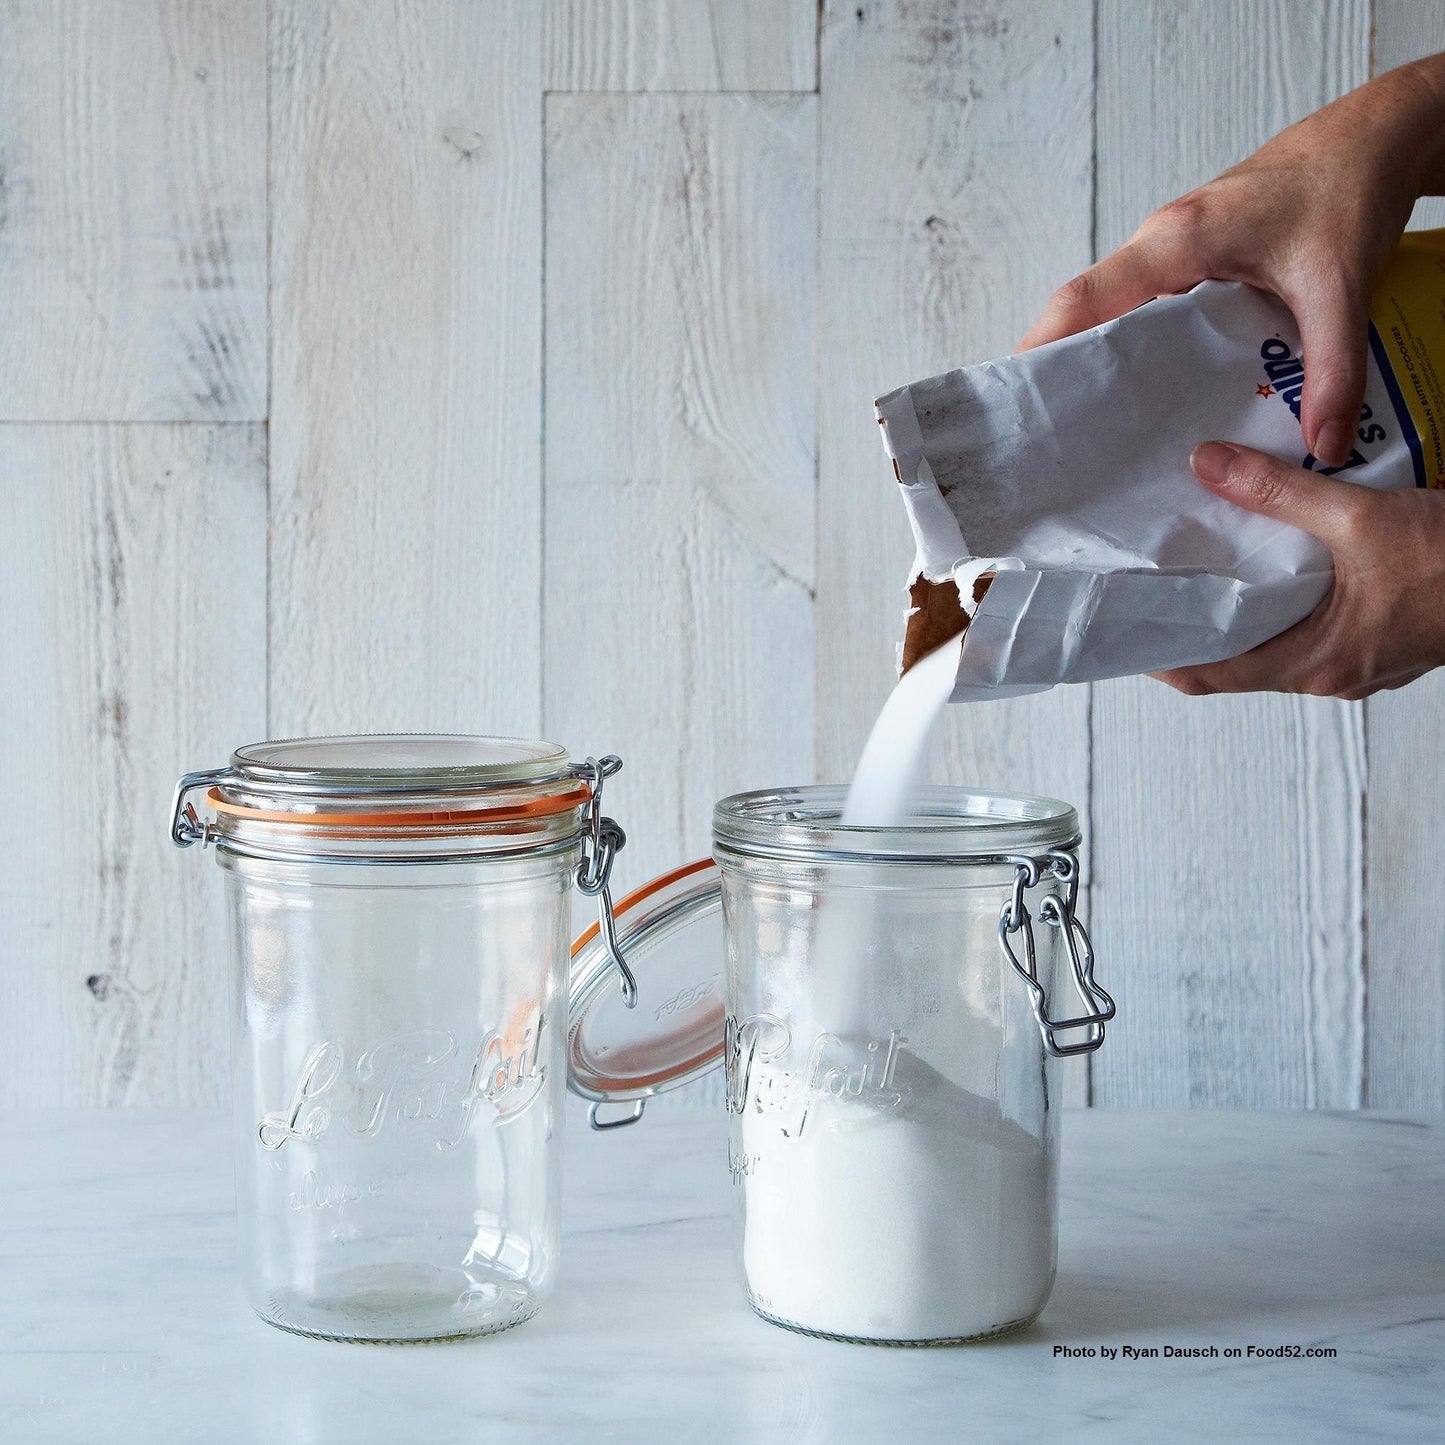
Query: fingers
x=1244 y=673
x=1287 y=663
x=1327 y=654
x=1324 y=507
x=1333 y=325
x=1133 y=274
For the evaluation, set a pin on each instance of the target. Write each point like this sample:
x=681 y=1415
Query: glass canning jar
x=400 y=924
x=891 y=1059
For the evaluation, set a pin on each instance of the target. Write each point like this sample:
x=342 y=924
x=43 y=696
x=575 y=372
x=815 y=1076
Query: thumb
x=1322 y=506
x=1126 y=278
x=1333 y=324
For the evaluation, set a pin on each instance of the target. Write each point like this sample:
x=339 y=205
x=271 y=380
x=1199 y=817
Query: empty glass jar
x=891 y=1057
x=400 y=929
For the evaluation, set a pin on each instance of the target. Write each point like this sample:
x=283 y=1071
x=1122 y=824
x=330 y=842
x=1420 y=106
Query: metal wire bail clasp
x=604 y=840
x=1057 y=911
x=186 y=826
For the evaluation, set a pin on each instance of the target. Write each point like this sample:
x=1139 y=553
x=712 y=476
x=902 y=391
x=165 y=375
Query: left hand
x=1383 y=622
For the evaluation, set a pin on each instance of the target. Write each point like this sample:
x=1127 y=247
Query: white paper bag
x=1056 y=516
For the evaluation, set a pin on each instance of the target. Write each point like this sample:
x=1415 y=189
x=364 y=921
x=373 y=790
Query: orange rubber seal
x=563 y=802
x=639 y=895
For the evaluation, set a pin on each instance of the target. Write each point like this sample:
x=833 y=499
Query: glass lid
x=398 y=781
x=409 y=761
x=670 y=932
x=373 y=796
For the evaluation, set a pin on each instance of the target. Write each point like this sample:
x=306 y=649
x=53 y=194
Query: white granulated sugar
x=907 y=1208
x=928 y=1221
x=887 y=772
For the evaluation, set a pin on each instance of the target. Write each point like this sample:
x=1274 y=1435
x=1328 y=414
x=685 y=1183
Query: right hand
x=1311 y=216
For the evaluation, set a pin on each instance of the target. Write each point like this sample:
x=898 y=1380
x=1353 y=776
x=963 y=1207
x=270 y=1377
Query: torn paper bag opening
x=1058 y=523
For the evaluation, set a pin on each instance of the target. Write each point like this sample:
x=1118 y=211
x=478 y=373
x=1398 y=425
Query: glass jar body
x=893 y=1130
x=397 y=1035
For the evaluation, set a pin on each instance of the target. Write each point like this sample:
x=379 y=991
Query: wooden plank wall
x=406 y=271
x=960 y=127
x=133 y=469
x=679 y=471
x=1248 y=975
x=507 y=367
x=1405 y=1012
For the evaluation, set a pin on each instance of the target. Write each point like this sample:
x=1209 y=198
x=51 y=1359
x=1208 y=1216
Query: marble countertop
x=120 y=1319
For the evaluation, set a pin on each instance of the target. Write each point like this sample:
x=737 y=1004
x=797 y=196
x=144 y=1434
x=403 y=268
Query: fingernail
x=1211 y=460
x=1332 y=443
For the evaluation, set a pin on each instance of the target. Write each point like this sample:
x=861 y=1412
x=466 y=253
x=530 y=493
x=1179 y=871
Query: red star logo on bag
x=1265 y=390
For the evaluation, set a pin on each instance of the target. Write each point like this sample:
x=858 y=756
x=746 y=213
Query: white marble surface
x=120 y=1319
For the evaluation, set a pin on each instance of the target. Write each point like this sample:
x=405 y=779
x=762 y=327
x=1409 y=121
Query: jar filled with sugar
x=891 y=1035
x=892 y=1072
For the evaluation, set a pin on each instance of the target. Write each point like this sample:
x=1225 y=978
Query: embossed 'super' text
x=686 y=997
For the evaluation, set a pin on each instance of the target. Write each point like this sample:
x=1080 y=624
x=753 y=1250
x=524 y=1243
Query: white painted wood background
x=504 y=365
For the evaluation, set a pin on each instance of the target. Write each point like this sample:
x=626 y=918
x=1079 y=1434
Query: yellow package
x=1407 y=340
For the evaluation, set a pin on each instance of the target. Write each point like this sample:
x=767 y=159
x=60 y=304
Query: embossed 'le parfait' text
x=418 y=1079
x=833 y=1068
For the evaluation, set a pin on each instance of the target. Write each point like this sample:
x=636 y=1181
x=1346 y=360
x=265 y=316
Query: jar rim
x=947 y=825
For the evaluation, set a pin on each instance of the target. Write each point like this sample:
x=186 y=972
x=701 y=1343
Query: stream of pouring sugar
x=883 y=785
x=902 y=1206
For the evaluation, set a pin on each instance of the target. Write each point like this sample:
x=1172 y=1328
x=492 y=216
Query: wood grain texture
x=680 y=466
x=1406 y=30
x=405 y=445
x=132 y=210
x=955 y=187
x=947 y=131
x=1406 y=1015
x=730 y=279
x=137 y=559
x=634 y=45
x=1228 y=868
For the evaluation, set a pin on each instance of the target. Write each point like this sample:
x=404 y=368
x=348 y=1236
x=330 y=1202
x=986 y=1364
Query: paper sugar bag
x=1058 y=522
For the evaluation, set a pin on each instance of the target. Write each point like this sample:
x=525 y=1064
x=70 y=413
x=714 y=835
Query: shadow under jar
x=400 y=922
x=891 y=1060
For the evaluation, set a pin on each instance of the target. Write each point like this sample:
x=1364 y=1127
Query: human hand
x=1382 y=624
x=1311 y=217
